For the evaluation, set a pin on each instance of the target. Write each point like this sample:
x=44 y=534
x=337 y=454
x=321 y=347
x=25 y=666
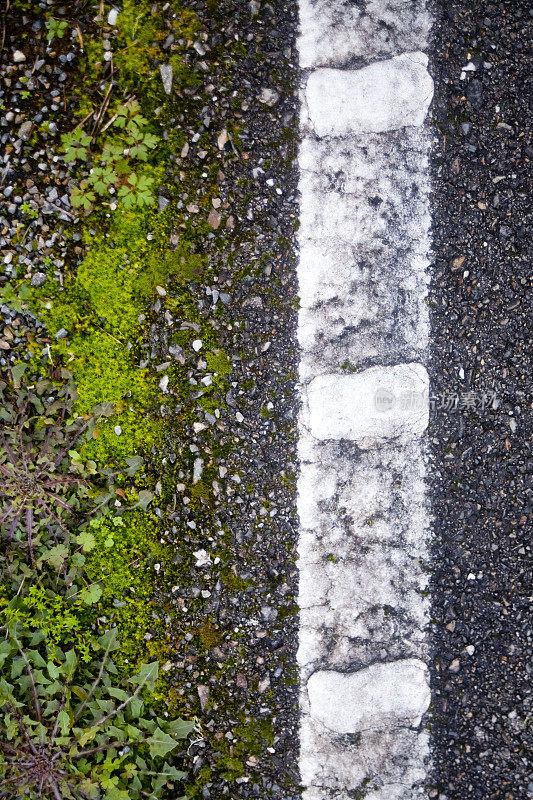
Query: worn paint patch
x=335 y=33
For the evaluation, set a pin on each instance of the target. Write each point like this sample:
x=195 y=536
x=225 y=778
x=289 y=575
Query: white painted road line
x=363 y=332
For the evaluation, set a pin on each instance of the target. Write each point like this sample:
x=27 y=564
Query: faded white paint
x=363 y=332
x=335 y=33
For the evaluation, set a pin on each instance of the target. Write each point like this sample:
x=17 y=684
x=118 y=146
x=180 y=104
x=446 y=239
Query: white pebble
x=117 y=429
x=202 y=558
x=197 y=345
x=112 y=17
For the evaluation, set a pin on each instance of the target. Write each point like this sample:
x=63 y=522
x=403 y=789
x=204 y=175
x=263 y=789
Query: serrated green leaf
x=134 y=464
x=135 y=734
x=17 y=371
x=135 y=707
x=147 y=675
x=150 y=140
x=63 y=722
x=144 y=498
x=180 y=728
x=69 y=665
x=89 y=788
x=17 y=668
x=6 y=648
x=105 y=409
x=36 y=658
x=87 y=736
x=161 y=743
x=113 y=793
x=56 y=556
x=119 y=694
x=108 y=640
x=53 y=670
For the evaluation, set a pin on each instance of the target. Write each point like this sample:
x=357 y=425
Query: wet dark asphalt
x=480 y=432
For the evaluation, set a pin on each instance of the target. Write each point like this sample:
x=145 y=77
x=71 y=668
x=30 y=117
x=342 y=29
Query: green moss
x=209 y=635
x=347 y=366
x=218 y=361
x=137 y=44
x=233 y=582
x=288 y=611
x=122 y=562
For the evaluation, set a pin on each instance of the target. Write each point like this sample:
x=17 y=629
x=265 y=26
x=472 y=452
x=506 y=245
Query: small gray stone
x=167 y=74
x=39 y=279
x=203 y=694
x=18 y=57
x=197 y=470
x=61 y=334
x=268 y=97
x=25 y=129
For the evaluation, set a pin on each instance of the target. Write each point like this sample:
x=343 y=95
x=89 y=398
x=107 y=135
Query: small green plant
x=30 y=212
x=44 y=480
x=56 y=28
x=69 y=731
x=112 y=170
x=16 y=296
x=38 y=487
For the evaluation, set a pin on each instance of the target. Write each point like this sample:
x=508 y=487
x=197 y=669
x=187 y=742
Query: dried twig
x=80 y=36
x=127 y=102
x=83 y=120
x=8 y=3
x=103 y=107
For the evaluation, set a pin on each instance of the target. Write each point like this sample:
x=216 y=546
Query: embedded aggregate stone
x=383 y=96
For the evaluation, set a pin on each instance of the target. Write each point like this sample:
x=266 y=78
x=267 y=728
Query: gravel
x=240 y=678
x=480 y=423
